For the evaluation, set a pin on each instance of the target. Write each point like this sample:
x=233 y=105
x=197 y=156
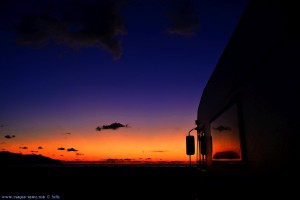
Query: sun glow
x=116 y=146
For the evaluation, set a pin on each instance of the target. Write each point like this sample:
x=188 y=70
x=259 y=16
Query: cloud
x=112 y=160
x=2 y=125
x=184 y=19
x=40 y=147
x=61 y=148
x=159 y=151
x=84 y=24
x=113 y=126
x=116 y=160
x=9 y=136
x=76 y=24
x=72 y=149
x=23 y=147
x=79 y=154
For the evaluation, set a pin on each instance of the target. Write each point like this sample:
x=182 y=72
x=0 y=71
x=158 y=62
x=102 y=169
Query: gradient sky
x=69 y=66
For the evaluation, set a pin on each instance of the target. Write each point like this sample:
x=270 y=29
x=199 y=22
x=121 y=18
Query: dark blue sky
x=69 y=66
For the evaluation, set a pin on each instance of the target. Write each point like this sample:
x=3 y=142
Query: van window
x=226 y=145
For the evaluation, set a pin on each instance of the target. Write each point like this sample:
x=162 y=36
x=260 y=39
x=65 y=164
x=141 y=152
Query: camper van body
x=248 y=111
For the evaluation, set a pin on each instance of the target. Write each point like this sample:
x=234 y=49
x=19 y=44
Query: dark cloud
x=61 y=148
x=116 y=160
x=222 y=128
x=23 y=147
x=113 y=126
x=34 y=151
x=79 y=154
x=184 y=19
x=68 y=133
x=40 y=147
x=83 y=24
x=112 y=160
x=9 y=136
x=2 y=125
x=72 y=149
x=159 y=151
x=76 y=24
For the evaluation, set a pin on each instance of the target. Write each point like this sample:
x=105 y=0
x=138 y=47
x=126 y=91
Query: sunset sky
x=70 y=66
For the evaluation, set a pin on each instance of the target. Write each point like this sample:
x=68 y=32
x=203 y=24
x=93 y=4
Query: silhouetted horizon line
x=104 y=162
x=13 y=157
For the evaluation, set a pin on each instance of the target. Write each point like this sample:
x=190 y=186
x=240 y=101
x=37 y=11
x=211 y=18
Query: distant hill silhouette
x=16 y=159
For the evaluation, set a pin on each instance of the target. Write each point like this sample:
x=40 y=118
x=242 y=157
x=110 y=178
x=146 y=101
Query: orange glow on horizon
x=125 y=145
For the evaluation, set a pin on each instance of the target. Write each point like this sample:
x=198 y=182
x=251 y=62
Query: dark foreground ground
x=129 y=182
